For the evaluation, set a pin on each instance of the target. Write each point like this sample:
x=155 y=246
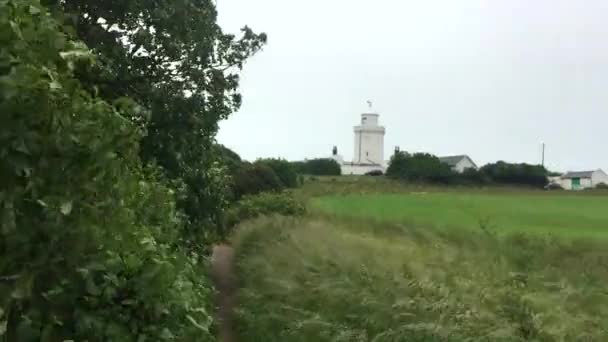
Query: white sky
x=487 y=78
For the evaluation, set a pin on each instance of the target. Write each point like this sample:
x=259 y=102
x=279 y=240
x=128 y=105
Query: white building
x=459 y=163
x=580 y=180
x=369 y=147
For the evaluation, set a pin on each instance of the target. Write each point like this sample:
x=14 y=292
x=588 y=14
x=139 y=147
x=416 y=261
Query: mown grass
x=566 y=215
x=338 y=279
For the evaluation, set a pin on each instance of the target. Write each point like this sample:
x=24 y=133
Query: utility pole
x=543 y=155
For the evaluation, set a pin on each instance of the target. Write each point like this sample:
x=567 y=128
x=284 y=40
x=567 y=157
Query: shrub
x=516 y=174
x=89 y=238
x=318 y=167
x=419 y=167
x=553 y=186
x=283 y=169
x=602 y=186
x=283 y=203
x=229 y=158
x=374 y=173
x=256 y=178
x=472 y=176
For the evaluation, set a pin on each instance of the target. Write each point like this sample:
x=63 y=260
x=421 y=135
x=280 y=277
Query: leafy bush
x=553 y=186
x=256 y=178
x=516 y=174
x=182 y=70
x=283 y=169
x=602 y=186
x=374 y=173
x=419 y=167
x=230 y=159
x=472 y=176
x=89 y=246
x=283 y=203
x=318 y=167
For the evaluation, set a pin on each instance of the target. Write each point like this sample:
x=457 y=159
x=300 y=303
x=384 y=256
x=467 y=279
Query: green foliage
x=602 y=186
x=471 y=176
x=256 y=178
x=284 y=170
x=230 y=159
x=426 y=168
x=419 y=167
x=282 y=203
x=89 y=246
x=516 y=174
x=375 y=173
x=318 y=167
x=173 y=59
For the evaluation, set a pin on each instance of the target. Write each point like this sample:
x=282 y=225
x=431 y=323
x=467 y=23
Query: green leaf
x=167 y=334
x=16 y=29
x=92 y=288
x=195 y=323
x=66 y=208
x=34 y=10
x=54 y=85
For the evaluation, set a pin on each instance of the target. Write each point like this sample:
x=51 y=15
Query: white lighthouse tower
x=369 y=140
x=369 y=146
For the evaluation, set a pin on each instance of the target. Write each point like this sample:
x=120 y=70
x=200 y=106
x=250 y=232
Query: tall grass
x=339 y=279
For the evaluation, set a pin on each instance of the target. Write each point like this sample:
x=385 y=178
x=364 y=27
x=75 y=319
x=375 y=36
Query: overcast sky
x=487 y=78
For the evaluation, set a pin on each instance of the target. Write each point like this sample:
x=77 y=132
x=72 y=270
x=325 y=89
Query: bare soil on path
x=222 y=269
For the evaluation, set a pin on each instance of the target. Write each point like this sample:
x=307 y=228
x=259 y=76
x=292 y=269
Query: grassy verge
x=324 y=279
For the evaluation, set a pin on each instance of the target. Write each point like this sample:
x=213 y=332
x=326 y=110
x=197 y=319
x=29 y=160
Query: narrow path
x=222 y=268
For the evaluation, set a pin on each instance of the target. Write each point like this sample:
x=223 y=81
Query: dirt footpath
x=222 y=268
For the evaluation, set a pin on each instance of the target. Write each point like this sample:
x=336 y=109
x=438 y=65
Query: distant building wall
x=353 y=169
x=463 y=164
x=598 y=177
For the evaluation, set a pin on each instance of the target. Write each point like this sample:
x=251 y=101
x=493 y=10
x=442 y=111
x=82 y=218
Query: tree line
x=427 y=168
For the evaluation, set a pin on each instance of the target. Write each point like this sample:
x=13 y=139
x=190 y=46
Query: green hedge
x=283 y=203
x=318 y=167
x=89 y=237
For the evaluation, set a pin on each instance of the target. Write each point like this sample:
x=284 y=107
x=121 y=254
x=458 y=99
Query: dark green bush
x=419 y=167
x=602 y=186
x=553 y=186
x=374 y=173
x=283 y=203
x=318 y=167
x=256 y=178
x=516 y=174
x=283 y=169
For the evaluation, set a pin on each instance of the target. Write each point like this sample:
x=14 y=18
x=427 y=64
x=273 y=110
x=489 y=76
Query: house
x=459 y=163
x=579 y=180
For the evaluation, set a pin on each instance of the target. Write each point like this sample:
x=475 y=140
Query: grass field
x=546 y=213
x=400 y=266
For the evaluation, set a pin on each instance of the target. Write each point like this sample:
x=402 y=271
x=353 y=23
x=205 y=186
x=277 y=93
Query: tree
x=230 y=159
x=283 y=169
x=173 y=59
x=419 y=167
x=88 y=235
x=256 y=178
x=318 y=167
x=516 y=174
